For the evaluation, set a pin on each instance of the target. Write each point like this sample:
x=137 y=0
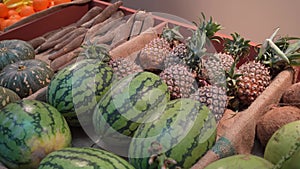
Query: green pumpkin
x=7 y=96
x=14 y=50
x=26 y=77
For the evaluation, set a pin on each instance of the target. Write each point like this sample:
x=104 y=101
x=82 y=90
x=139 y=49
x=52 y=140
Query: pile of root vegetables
x=109 y=27
x=112 y=28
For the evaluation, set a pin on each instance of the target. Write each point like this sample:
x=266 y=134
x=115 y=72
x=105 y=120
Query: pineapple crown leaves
x=237 y=47
x=279 y=51
x=171 y=34
x=196 y=49
x=209 y=26
x=95 y=51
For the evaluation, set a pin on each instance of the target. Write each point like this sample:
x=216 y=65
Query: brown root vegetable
x=94 y=11
x=292 y=95
x=133 y=45
x=77 y=32
x=274 y=119
x=51 y=42
x=104 y=27
x=36 y=42
x=107 y=12
x=64 y=59
x=75 y=43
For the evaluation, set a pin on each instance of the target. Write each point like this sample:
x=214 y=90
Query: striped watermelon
x=83 y=158
x=76 y=89
x=7 y=96
x=184 y=133
x=29 y=130
x=126 y=105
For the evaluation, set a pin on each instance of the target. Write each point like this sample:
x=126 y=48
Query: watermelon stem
x=158 y=156
x=21 y=67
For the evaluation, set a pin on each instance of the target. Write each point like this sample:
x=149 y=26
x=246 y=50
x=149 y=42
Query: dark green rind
x=127 y=104
x=28 y=121
x=83 y=158
x=76 y=89
x=241 y=161
x=14 y=50
x=186 y=130
x=35 y=76
x=7 y=96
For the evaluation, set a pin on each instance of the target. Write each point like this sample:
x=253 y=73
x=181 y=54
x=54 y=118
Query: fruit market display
x=12 y=11
x=149 y=93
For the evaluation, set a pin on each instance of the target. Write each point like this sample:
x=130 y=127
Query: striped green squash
x=76 y=89
x=183 y=133
x=14 y=50
x=29 y=130
x=7 y=96
x=126 y=105
x=26 y=76
x=83 y=158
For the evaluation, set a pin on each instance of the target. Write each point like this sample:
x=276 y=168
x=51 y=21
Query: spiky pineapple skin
x=123 y=67
x=181 y=82
x=177 y=55
x=254 y=80
x=152 y=56
x=214 y=97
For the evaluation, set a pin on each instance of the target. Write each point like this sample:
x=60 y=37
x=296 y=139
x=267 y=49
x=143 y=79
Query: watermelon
x=26 y=76
x=283 y=148
x=83 y=158
x=126 y=105
x=182 y=135
x=241 y=161
x=76 y=89
x=29 y=130
x=7 y=96
x=14 y=50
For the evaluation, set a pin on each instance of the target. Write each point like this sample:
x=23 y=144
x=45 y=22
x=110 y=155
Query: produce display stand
x=236 y=140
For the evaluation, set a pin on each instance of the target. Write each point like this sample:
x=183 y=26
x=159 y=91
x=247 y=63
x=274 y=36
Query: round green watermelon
x=83 y=158
x=125 y=106
x=283 y=148
x=178 y=138
x=29 y=130
x=241 y=161
x=76 y=89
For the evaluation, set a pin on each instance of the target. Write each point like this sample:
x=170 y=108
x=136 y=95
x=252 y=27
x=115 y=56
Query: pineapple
x=255 y=77
x=177 y=55
x=123 y=67
x=180 y=81
x=153 y=55
x=214 y=98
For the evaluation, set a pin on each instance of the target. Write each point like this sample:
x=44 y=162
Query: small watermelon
x=7 y=96
x=29 y=130
x=283 y=148
x=126 y=105
x=83 y=158
x=179 y=137
x=76 y=89
x=241 y=161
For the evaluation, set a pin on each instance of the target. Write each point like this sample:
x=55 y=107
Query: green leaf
x=293 y=47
